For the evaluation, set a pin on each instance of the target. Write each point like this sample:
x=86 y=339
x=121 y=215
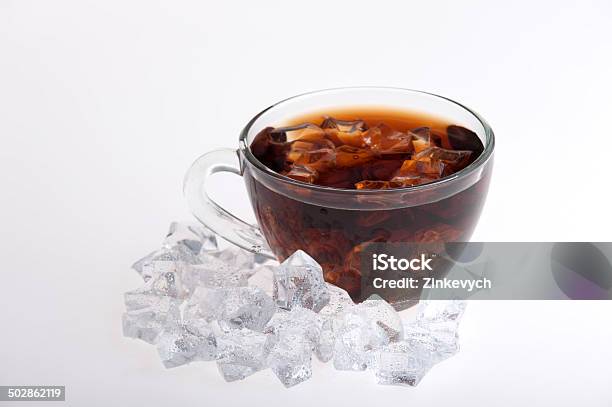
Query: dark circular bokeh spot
x=581 y=270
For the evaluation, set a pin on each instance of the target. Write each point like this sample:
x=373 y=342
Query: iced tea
x=363 y=149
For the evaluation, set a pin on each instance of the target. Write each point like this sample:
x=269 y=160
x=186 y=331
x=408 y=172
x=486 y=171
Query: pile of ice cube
x=199 y=303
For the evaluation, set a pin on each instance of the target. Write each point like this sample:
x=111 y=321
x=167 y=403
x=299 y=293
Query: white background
x=104 y=105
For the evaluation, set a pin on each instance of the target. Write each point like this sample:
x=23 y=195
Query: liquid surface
x=367 y=148
x=401 y=120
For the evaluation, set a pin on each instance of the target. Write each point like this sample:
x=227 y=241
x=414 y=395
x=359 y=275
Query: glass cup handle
x=213 y=216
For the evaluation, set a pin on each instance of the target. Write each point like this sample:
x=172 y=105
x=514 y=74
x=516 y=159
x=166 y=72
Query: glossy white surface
x=104 y=105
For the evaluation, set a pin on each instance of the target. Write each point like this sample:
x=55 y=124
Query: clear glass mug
x=331 y=224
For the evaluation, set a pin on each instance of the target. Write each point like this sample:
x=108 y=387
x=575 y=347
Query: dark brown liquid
x=367 y=149
x=401 y=120
x=334 y=237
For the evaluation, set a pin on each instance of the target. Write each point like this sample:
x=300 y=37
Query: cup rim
x=463 y=173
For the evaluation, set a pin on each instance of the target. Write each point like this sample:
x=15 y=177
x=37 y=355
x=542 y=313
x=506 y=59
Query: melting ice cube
x=298 y=281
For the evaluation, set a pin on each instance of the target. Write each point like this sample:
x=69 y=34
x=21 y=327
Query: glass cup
x=332 y=224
